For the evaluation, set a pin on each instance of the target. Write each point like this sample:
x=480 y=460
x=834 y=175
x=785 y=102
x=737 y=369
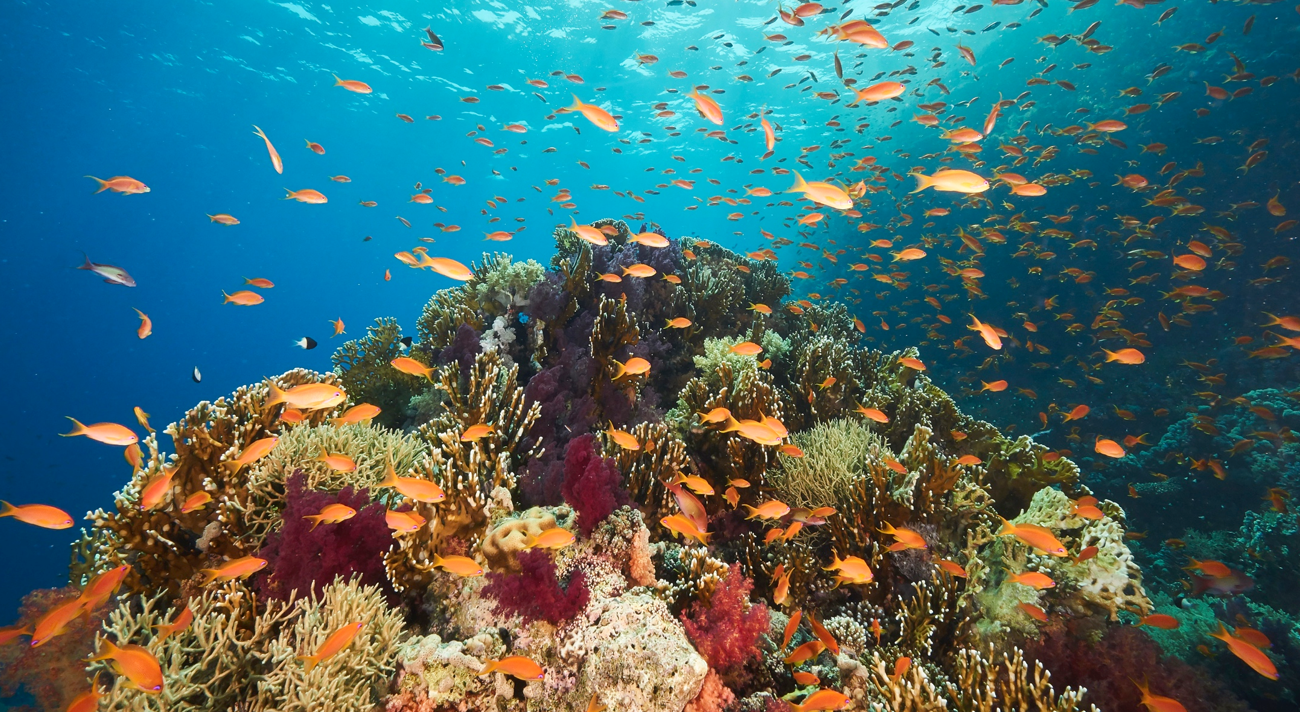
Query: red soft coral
x=1108 y=668
x=55 y=672
x=535 y=593
x=726 y=631
x=302 y=558
x=593 y=486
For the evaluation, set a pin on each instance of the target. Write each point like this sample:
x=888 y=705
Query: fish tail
x=438 y=561
x=622 y=369
x=490 y=667
x=922 y=181
x=1007 y=528
x=6 y=509
x=337 y=82
x=309 y=661
x=799 y=184
x=210 y=575
x=77 y=428
x=289 y=196
x=103 y=184
x=259 y=131
x=577 y=106
x=88 y=265
x=315 y=521
x=274 y=394
x=227 y=297
x=753 y=511
x=110 y=649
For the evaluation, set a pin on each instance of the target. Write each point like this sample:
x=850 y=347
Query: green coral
x=365 y=370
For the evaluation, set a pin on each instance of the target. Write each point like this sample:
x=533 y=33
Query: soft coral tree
x=726 y=629
x=593 y=486
x=304 y=559
x=535 y=592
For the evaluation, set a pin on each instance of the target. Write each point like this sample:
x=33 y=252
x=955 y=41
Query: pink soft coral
x=304 y=558
x=593 y=486
x=726 y=631
x=535 y=593
x=714 y=696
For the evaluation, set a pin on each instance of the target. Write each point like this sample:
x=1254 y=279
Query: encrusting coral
x=669 y=492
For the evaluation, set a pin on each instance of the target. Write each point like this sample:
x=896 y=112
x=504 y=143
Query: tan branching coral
x=982 y=685
x=239 y=652
x=467 y=470
x=661 y=457
x=164 y=545
x=835 y=455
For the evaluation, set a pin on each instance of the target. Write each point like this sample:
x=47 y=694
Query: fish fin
x=107 y=653
x=490 y=667
x=337 y=81
x=103 y=184
x=274 y=394
x=77 y=429
x=1007 y=527
x=88 y=264
x=310 y=661
x=922 y=182
x=6 y=509
x=799 y=183
x=577 y=106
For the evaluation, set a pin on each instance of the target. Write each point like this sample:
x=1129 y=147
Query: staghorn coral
x=468 y=471
x=237 y=652
x=372 y=448
x=365 y=372
x=302 y=558
x=164 y=546
x=835 y=455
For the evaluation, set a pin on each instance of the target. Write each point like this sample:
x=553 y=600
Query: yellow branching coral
x=468 y=470
x=370 y=447
x=835 y=455
x=239 y=653
x=982 y=685
x=165 y=545
x=661 y=457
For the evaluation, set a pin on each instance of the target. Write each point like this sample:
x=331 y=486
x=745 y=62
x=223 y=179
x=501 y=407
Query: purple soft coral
x=726 y=631
x=301 y=558
x=593 y=486
x=535 y=593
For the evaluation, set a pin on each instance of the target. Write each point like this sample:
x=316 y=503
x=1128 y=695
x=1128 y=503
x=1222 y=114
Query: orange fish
x=746 y=348
x=1130 y=357
x=459 y=565
x=195 y=501
x=1160 y=620
x=1109 y=448
x=183 y=620
x=333 y=645
x=254 y=452
x=872 y=414
x=1156 y=703
x=1034 y=612
x=236 y=569
x=137 y=665
x=516 y=666
x=1040 y=538
x=87 y=701
x=316 y=148
x=994 y=387
x=805 y=652
x=822 y=700
x=556 y=538
x=596 y=115
x=707 y=107
x=308 y=396
x=125 y=185
x=151 y=497
x=986 y=332
x=40 y=515
x=275 y=156
x=403 y=521
x=1080 y=411
x=1033 y=579
x=411 y=367
x=477 y=432
x=685 y=526
x=306 y=195
x=903 y=538
x=243 y=298
x=359 y=413
x=1257 y=659
x=352 y=85
x=331 y=514
x=107 y=433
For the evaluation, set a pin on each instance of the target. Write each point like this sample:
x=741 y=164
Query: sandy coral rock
x=507 y=538
x=639 y=658
x=1111 y=580
x=446 y=673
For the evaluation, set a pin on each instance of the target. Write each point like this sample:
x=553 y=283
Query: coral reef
x=760 y=507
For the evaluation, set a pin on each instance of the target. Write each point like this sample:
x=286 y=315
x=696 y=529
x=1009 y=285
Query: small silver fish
x=111 y=274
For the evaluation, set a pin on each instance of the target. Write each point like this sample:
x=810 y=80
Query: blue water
x=168 y=92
